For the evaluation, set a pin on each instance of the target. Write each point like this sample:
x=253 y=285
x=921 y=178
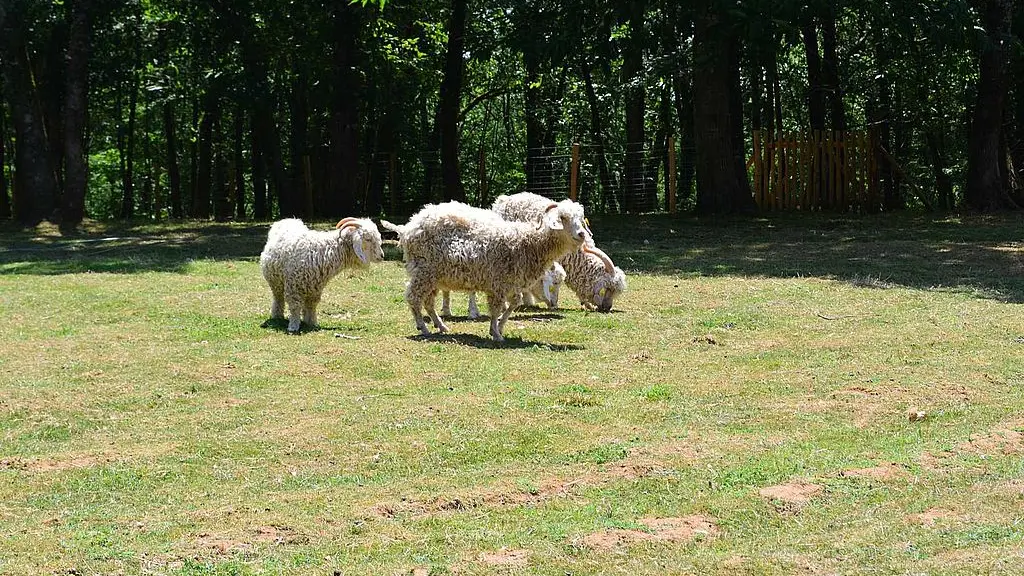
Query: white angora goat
x=590 y=273
x=298 y=262
x=454 y=246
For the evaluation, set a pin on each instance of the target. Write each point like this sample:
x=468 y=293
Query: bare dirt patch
x=884 y=472
x=224 y=545
x=797 y=492
x=932 y=516
x=505 y=557
x=642 y=463
x=669 y=530
x=1003 y=440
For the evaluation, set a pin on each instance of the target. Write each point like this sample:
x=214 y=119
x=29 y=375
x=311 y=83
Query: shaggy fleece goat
x=298 y=262
x=590 y=273
x=546 y=290
x=453 y=246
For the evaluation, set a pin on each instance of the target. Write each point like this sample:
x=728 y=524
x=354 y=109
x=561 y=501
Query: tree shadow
x=135 y=246
x=511 y=342
x=977 y=254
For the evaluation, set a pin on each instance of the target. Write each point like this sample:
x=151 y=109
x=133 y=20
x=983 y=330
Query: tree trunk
x=173 y=170
x=147 y=205
x=719 y=190
x=943 y=184
x=344 y=115
x=76 y=104
x=35 y=189
x=815 y=92
x=193 y=153
x=204 y=183
x=633 y=78
x=239 y=164
x=682 y=85
x=597 y=133
x=830 y=69
x=538 y=165
x=219 y=186
x=5 y=199
x=128 y=162
x=984 y=166
x=300 y=145
x=259 y=174
x=451 y=93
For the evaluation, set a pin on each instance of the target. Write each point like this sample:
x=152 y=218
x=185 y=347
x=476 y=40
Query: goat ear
x=357 y=247
x=553 y=220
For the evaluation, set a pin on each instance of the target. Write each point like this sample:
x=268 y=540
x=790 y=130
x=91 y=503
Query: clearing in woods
x=784 y=395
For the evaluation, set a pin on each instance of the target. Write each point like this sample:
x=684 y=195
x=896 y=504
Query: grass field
x=820 y=395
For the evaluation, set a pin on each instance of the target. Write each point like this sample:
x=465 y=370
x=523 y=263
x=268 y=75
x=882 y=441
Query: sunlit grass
x=152 y=421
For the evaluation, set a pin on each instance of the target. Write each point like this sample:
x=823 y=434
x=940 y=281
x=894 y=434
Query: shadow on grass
x=128 y=248
x=521 y=314
x=511 y=342
x=978 y=254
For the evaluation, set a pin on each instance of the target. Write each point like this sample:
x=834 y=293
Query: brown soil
x=670 y=530
x=792 y=493
x=505 y=557
x=931 y=517
x=884 y=472
x=1006 y=439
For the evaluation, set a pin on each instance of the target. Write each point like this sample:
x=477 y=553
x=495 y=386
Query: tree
x=719 y=187
x=76 y=105
x=451 y=96
x=985 y=165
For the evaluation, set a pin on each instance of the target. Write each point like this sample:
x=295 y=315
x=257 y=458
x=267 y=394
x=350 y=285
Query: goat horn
x=345 y=222
x=550 y=207
x=349 y=225
x=608 y=266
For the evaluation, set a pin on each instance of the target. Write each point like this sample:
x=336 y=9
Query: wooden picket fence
x=818 y=170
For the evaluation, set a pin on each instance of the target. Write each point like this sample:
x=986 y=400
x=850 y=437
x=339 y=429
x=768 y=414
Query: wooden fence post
x=671 y=175
x=574 y=172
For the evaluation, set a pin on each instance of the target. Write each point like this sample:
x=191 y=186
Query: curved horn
x=348 y=225
x=549 y=208
x=344 y=222
x=608 y=266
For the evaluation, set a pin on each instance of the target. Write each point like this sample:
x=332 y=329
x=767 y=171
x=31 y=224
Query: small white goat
x=298 y=262
x=454 y=246
x=590 y=273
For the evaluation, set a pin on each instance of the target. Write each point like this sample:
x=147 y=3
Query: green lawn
x=749 y=407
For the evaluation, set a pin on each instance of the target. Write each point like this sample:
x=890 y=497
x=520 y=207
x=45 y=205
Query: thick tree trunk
x=984 y=166
x=173 y=169
x=815 y=91
x=597 y=133
x=830 y=70
x=719 y=190
x=76 y=103
x=633 y=77
x=35 y=189
x=344 y=119
x=451 y=96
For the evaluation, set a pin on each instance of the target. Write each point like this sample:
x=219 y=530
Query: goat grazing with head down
x=589 y=272
x=454 y=246
x=297 y=263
